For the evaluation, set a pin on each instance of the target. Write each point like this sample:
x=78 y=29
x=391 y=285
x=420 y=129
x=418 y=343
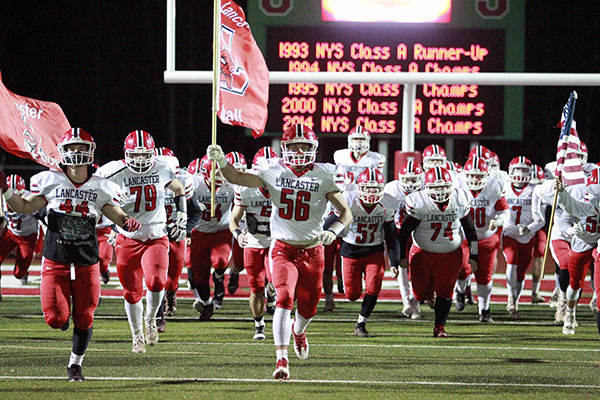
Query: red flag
x=244 y=76
x=31 y=128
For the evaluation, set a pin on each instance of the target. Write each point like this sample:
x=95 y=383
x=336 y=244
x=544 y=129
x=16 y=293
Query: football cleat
x=74 y=373
x=161 y=324
x=536 y=298
x=553 y=302
x=459 y=301
x=509 y=304
x=151 y=331
x=234 y=282
x=300 y=344
x=469 y=295
x=486 y=316
x=417 y=309
x=207 y=312
x=139 y=344
x=514 y=314
x=439 y=332
x=105 y=276
x=259 y=332
x=561 y=310
x=360 y=330
x=282 y=370
x=217 y=303
x=171 y=303
x=594 y=305
x=411 y=307
x=329 y=305
x=569 y=324
x=219 y=294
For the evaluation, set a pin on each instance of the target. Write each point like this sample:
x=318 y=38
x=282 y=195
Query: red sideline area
x=547 y=285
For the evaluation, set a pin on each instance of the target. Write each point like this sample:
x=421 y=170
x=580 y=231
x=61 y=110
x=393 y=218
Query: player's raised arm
x=215 y=153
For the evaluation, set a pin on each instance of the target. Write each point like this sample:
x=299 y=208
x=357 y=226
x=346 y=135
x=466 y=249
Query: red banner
x=244 y=76
x=31 y=128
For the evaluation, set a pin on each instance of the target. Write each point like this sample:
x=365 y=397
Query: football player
x=255 y=205
x=489 y=211
x=539 y=243
x=210 y=239
x=410 y=179
x=300 y=189
x=519 y=230
x=74 y=200
x=362 y=248
x=21 y=232
x=434 y=218
x=143 y=256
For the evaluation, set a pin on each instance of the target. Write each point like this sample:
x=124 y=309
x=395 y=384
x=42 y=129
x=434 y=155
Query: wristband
x=337 y=228
x=8 y=194
x=237 y=233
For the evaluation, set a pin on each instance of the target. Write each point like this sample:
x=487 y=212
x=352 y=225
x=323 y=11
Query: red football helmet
x=438 y=184
x=457 y=167
x=359 y=140
x=194 y=167
x=519 y=170
x=410 y=177
x=238 y=160
x=16 y=183
x=299 y=134
x=582 y=153
x=139 y=151
x=78 y=157
x=163 y=151
x=370 y=186
x=537 y=174
x=450 y=166
x=264 y=153
x=205 y=170
x=494 y=162
x=476 y=173
x=434 y=156
x=592 y=179
x=481 y=152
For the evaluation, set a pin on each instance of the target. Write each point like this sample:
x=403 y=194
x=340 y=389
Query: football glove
x=177 y=230
x=327 y=237
x=574 y=230
x=215 y=153
x=131 y=224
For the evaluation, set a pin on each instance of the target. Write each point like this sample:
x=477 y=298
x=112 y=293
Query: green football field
x=530 y=358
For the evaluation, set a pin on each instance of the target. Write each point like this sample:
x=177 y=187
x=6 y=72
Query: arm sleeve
x=409 y=224
x=329 y=220
x=470 y=234
x=194 y=215
x=393 y=245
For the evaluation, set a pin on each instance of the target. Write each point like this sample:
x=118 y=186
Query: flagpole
x=215 y=93
x=566 y=128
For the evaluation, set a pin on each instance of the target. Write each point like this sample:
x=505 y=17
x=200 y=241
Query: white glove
x=495 y=223
x=177 y=230
x=523 y=229
x=327 y=237
x=112 y=238
x=215 y=153
x=574 y=230
x=202 y=206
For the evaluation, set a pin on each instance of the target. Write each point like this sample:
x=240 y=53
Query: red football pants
x=257 y=265
x=371 y=266
x=209 y=250
x=518 y=254
x=105 y=250
x=434 y=272
x=24 y=254
x=176 y=259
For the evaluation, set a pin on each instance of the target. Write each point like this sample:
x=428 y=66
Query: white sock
x=556 y=280
x=281 y=353
x=301 y=323
x=75 y=359
x=362 y=319
x=484 y=292
x=572 y=294
x=196 y=294
x=404 y=284
x=153 y=300
x=134 y=315
x=461 y=285
x=511 y=279
x=281 y=327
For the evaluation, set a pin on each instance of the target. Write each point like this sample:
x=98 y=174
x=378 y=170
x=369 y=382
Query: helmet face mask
x=359 y=140
x=370 y=186
x=476 y=173
x=519 y=170
x=139 y=151
x=299 y=146
x=76 y=147
x=410 y=177
x=438 y=184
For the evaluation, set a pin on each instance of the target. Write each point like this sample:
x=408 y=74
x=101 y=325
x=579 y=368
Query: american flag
x=568 y=164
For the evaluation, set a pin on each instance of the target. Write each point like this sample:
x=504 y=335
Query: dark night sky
x=102 y=62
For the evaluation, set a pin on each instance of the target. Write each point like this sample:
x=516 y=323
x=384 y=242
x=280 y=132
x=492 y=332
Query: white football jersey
x=366 y=228
x=20 y=224
x=223 y=202
x=79 y=200
x=256 y=203
x=394 y=189
x=543 y=195
x=500 y=175
x=299 y=199
x=519 y=204
x=438 y=231
x=144 y=195
x=583 y=203
x=484 y=207
x=350 y=167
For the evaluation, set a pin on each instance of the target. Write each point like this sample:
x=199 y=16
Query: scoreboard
x=441 y=110
x=478 y=36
